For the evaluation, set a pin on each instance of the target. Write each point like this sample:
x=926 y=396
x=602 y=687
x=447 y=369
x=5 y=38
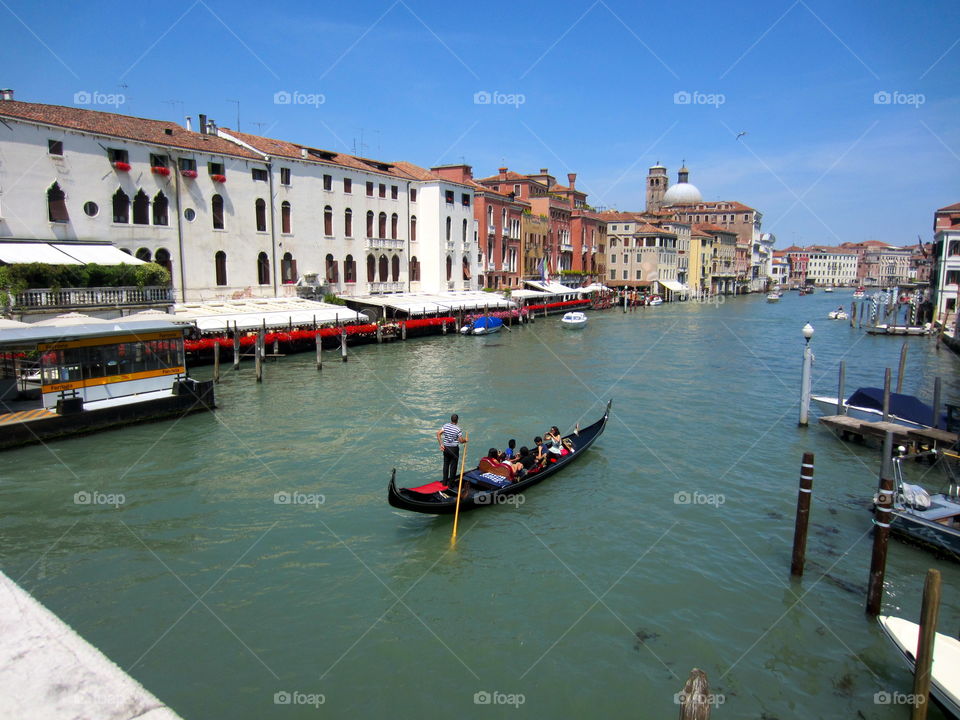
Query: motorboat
x=773 y=297
x=485 y=325
x=574 y=320
x=655 y=300
x=867 y=404
x=838 y=314
x=828 y=288
x=860 y=293
x=945 y=668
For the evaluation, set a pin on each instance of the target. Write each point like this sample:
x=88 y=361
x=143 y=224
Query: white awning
x=673 y=285
x=252 y=313
x=61 y=253
x=529 y=294
x=552 y=287
x=445 y=302
x=18 y=253
x=98 y=254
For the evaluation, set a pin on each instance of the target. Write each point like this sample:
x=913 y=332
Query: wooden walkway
x=23 y=416
x=848 y=427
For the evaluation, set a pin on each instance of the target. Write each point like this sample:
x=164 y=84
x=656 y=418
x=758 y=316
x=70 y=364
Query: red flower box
x=159 y=170
x=121 y=166
x=189 y=173
x=219 y=178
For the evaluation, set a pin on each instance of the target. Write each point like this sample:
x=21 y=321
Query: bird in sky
x=741 y=134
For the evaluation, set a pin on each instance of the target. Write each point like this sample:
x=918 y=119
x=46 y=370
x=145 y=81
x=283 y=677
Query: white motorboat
x=828 y=288
x=860 y=293
x=838 y=315
x=773 y=297
x=655 y=300
x=574 y=320
x=945 y=670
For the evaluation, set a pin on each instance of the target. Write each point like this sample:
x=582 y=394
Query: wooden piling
x=403 y=330
x=803 y=516
x=902 y=367
x=841 y=408
x=929 y=611
x=258 y=359
x=881 y=533
x=236 y=347
x=343 y=344
x=695 y=700
x=379 y=333
x=216 y=361
x=443 y=327
x=886 y=395
x=935 y=420
x=853 y=313
x=319 y=345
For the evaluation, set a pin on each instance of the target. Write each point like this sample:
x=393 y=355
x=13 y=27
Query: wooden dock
x=848 y=427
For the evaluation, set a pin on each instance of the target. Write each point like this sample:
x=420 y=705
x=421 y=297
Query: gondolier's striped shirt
x=451 y=435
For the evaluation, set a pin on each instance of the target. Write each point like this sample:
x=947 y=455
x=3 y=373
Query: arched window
x=285 y=218
x=466 y=268
x=350 y=269
x=288 y=269
x=121 y=207
x=449 y=268
x=57 y=204
x=414 y=269
x=160 y=207
x=260 y=211
x=143 y=254
x=413 y=228
x=382 y=225
x=489 y=215
x=333 y=274
x=464 y=229
x=382 y=266
x=328 y=220
x=449 y=226
x=162 y=258
x=369 y=223
x=216 y=208
x=141 y=208
x=393 y=225
x=348 y=223
x=263 y=267
x=395 y=268
x=220 y=262
x=371 y=268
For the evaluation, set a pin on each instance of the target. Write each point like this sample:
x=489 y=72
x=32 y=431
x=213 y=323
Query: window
x=333 y=273
x=121 y=207
x=215 y=168
x=369 y=223
x=516 y=191
x=57 y=204
x=143 y=254
x=369 y=189
x=613 y=274
x=284 y=176
x=220 y=264
x=288 y=269
x=187 y=164
x=449 y=268
x=394 y=192
x=382 y=225
x=347 y=185
x=393 y=225
x=413 y=228
x=258 y=174
x=91 y=209
x=160 y=209
x=448 y=195
x=116 y=155
x=414 y=270
x=382 y=190
x=395 y=268
x=465 y=199
x=55 y=147
x=162 y=258
x=141 y=208
x=348 y=223
x=350 y=270
x=328 y=220
x=464 y=229
x=158 y=160
x=624 y=274
x=285 y=218
x=613 y=258
x=413 y=194
x=263 y=269
x=216 y=208
x=189 y=214
x=328 y=182
x=260 y=214
x=382 y=266
x=371 y=268
x=449 y=224
x=638 y=275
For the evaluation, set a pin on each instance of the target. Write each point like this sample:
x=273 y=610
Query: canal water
x=245 y=564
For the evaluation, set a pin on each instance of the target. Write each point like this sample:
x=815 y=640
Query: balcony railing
x=387 y=243
x=450 y=245
x=382 y=287
x=95 y=296
x=566 y=247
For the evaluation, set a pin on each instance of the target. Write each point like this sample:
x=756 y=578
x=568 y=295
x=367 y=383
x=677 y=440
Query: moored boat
x=859 y=293
x=655 y=300
x=773 y=297
x=484 y=489
x=867 y=404
x=574 y=320
x=838 y=315
x=945 y=668
x=482 y=326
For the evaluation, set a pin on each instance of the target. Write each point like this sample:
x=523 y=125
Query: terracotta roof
x=714 y=206
x=154 y=132
x=711 y=228
x=950 y=208
x=510 y=175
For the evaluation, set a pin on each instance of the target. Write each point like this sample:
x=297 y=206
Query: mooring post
x=929 y=611
x=319 y=342
x=343 y=344
x=694 y=699
x=379 y=333
x=886 y=394
x=887 y=456
x=881 y=533
x=443 y=327
x=863 y=305
x=935 y=420
x=258 y=359
x=403 y=330
x=805 y=378
x=216 y=360
x=903 y=366
x=853 y=313
x=841 y=408
x=236 y=347
x=803 y=516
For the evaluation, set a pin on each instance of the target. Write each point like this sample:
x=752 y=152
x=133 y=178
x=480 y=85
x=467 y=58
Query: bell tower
x=656 y=187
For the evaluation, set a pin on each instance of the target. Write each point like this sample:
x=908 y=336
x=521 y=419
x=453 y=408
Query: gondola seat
x=487 y=480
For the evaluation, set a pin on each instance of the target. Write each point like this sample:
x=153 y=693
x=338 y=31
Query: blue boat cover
x=908 y=407
x=487 y=322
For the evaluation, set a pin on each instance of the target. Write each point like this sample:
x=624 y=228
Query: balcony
x=566 y=247
x=385 y=244
x=491 y=229
x=385 y=287
x=63 y=298
x=450 y=245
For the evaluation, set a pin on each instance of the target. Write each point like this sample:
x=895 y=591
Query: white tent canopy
x=673 y=285
x=251 y=314
x=61 y=253
x=553 y=288
x=424 y=303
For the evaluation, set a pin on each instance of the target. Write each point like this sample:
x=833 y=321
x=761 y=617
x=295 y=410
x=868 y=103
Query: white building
x=945 y=272
x=831 y=266
x=230 y=214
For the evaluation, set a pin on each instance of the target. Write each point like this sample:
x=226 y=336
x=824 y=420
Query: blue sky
x=585 y=87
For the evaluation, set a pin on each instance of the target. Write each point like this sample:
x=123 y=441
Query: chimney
x=189 y=123
x=503 y=173
x=572 y=179
x=211 y=127
x=544 y=171
x=203 y=124
x=303 y=153
x=6 y=94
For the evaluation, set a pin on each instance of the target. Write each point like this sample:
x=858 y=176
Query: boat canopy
x=488 y=322
x=907 y=407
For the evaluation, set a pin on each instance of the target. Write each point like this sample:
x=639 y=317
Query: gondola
x=432 y=499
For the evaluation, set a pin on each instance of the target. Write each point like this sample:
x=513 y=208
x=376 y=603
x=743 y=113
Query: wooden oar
x=456 y=514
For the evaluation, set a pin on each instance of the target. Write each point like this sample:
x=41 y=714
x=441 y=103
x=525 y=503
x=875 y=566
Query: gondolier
x=450 y=436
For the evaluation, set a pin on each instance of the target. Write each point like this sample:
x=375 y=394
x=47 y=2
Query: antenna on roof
x=237 y=103
x=259 y=126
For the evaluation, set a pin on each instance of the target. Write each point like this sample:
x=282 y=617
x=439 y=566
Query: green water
x=595 y=597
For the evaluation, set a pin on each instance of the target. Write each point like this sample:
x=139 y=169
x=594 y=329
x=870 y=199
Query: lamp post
x=805 y=376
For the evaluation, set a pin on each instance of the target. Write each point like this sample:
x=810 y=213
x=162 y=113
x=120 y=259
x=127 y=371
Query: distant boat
x=828 y=288
x=859 y=293
x=838 y=315
x=773 y=297
x=867 y=404
x=485 y=325
x=655 y=300
x=945 y=669
x=900 y=329
x=574 y=320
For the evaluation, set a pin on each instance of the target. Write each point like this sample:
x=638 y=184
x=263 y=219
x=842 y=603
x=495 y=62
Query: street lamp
x=805 y=375
x=807 y=332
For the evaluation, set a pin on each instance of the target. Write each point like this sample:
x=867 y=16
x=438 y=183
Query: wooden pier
x=849 y=427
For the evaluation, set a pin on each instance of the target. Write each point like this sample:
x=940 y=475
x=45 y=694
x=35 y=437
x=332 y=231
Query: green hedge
x=26 y=276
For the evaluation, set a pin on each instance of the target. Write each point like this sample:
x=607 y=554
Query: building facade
x=945 y=267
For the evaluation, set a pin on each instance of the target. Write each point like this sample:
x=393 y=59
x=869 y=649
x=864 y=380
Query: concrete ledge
x=48 y=672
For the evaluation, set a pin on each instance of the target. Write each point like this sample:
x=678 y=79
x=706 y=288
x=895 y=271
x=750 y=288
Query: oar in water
x=456 y=514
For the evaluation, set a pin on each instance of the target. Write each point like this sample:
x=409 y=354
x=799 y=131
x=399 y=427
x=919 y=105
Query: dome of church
x=682 y=193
